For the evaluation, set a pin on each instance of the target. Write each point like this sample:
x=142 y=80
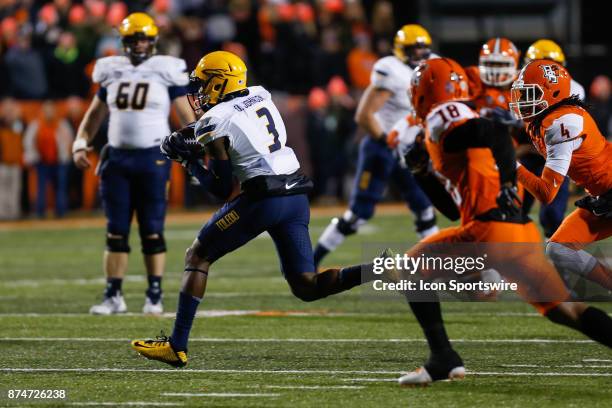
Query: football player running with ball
x=244 y=136
x=383 y=103
x=138 y=90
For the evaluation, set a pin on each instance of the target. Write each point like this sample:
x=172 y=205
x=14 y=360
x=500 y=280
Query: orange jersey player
x=490 y=81
x=565 y=134
x=477 y=157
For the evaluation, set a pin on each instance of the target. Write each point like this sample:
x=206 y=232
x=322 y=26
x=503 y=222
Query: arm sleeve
x=543 y=188
x=218 y=180
x=481 y=132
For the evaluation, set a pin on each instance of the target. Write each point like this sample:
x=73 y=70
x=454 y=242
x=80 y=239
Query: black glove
x=182 y=146
x=600 y=206
x=508 y=201
x=417 y=157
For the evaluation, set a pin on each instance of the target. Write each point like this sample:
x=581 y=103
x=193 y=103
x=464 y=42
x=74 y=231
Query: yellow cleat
x=160 y=350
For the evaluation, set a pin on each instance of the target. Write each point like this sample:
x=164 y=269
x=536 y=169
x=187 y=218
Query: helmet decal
x=549 y=73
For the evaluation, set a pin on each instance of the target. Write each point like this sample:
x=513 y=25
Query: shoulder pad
x=383 y=73
x=259 y=90
x=564 y=128
x=104 y=67
x=445 y=117
x=212 y=125
x=171 y=69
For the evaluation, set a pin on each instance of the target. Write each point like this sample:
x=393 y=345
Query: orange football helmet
x=498 y=62
x=540 y=84
x=436 y=81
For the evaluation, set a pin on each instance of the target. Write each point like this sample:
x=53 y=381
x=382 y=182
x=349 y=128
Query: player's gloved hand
x=600 y=206
x=508 y=200
x=416 y=156
x=505 y=117
x=182 y=146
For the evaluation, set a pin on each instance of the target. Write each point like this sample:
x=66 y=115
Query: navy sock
x=154 y=291
x=350 y=276
x=319 y=253
x=185 y=313
x=356 y=275
x=113 y=287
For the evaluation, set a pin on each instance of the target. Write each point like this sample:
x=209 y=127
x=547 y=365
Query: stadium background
x=315 y=56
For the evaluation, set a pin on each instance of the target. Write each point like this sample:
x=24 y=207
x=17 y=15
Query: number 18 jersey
x=256 y=134
x=139 y=97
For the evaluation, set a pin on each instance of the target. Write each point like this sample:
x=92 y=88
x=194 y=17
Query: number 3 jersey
x=139 y=97
x=255 y=132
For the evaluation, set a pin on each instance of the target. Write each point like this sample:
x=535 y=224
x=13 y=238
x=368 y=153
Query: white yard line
x=238 y=312
x=547 y=374
x=332 y=372
x=303 y=340
x=128 y=404
x=186 y=371
x=219 y=394
x=553 y=366
x=599 y=360
x=312 y=387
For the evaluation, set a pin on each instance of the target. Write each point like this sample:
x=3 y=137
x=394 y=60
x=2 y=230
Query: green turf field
x=342 y=351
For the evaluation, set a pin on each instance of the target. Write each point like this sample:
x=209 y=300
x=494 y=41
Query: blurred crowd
x=321 y=50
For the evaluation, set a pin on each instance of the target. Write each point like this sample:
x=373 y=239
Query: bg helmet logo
x=549 y=73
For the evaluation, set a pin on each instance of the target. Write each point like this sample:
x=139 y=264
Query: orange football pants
x=515 y=250
x=581 y=228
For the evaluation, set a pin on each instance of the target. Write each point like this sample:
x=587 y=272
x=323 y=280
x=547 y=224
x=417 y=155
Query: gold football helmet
x=411 y=44
x=134 y=30
x=217 y=75
x=545 y=49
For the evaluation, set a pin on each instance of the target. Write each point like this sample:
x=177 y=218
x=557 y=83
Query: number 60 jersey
x=256 y=135
x=139 y=97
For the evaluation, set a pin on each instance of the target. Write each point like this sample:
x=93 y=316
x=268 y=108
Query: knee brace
x=117 y=243
x=569 y=260
x=152 y=246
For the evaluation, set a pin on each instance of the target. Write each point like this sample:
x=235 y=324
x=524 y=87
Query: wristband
x=78 y=145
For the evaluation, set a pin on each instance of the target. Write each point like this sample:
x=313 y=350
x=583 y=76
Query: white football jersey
x=138 y=98
x=256 y=135
x=393 y=75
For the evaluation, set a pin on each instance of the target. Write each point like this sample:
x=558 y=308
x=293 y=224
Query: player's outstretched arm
x=88 y=128
x=544 y=188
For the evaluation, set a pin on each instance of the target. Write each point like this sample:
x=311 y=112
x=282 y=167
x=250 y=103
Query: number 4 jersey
x=256 y=135
x=139 y=97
